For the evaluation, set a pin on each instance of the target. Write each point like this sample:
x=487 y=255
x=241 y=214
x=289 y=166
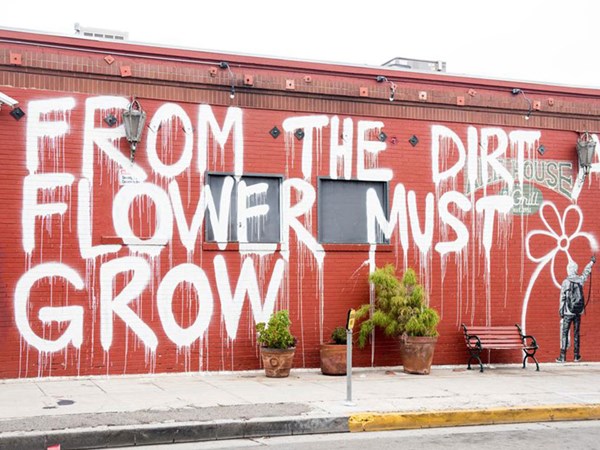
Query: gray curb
x=154 y=434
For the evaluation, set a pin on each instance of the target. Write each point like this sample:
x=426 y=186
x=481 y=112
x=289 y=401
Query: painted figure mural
x=572 y=306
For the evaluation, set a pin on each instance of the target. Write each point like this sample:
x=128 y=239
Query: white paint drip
x=367 y=151
x=154 y=210
x=307 y=124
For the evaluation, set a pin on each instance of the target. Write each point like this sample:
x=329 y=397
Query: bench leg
x=532 y=356
x=475 y=356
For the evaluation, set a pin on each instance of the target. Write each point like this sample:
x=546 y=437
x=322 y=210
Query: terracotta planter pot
x=417 y=353
x=333 y=359
x=277 y=362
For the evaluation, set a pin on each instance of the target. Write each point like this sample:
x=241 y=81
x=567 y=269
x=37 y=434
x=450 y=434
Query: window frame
x=386 y=208
x=206 y=219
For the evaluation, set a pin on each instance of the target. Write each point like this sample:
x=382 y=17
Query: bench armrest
x=532 y=342
x=525 y=337
x=472 y=340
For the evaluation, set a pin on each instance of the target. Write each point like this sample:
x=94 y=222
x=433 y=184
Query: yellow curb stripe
x=452 y=418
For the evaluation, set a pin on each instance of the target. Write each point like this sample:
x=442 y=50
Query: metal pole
x=349 y=368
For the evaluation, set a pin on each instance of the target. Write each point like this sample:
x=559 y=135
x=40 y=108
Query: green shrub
x=338 y=336
x=400 y=307
x=276 y=333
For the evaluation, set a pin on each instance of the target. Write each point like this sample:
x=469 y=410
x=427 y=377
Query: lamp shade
x=585 y=151
x=134 y=119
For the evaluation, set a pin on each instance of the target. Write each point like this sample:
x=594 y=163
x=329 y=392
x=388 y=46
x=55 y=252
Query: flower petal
x=572 y=220
x=553 y=222
x=544 y=242
x=593 y=244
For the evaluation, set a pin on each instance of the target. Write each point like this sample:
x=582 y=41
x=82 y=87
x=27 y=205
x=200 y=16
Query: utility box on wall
x=243 y=198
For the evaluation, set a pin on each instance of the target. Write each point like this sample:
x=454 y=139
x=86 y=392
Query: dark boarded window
x=262 y=195
x=343 y=210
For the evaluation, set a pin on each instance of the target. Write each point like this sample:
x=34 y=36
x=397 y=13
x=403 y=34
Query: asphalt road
x=549 y=436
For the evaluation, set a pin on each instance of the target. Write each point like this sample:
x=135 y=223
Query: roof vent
x=100 y=33
x=415 y=64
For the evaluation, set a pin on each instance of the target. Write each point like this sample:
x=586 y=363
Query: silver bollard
x=348 y=401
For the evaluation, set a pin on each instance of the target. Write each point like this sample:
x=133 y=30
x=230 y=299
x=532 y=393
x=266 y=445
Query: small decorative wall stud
x=16 y=59
x=275 y=132
x=17 y=113
x=110 y=120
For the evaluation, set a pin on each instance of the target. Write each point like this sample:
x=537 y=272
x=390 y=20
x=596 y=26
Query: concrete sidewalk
x=94 y=412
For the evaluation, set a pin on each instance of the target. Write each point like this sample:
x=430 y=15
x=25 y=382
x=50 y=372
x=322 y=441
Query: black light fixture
x=16 y=112
x=541 y=149
x=414 y=140
x=382 y=137
x=134 y=119
x=299 y=133
x=517 y=91
x=382 y=79
x=225 y=65
x=586 y=148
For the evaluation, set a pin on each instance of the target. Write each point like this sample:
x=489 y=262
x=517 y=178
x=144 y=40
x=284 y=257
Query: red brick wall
x=460 y=285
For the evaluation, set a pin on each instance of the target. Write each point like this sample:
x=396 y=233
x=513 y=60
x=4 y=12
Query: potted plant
x=277 y=345
x=401 y=310
x=333 y=354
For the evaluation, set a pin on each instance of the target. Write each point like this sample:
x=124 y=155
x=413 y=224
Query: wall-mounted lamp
x=517 y=91
x=382 y=79
x=586 y=148
x=225 y=65
x=6 y=100
x=134 y=119
x=16 y=112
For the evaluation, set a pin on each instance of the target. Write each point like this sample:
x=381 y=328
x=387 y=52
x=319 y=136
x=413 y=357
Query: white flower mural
x=554 y=242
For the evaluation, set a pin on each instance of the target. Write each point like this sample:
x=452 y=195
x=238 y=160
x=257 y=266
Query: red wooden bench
x=498 y=338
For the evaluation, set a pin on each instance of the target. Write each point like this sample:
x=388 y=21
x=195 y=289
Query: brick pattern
x=178 y=79
x=458 y=288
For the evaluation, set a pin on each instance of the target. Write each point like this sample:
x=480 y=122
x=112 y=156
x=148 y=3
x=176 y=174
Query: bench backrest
x=496 y=337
